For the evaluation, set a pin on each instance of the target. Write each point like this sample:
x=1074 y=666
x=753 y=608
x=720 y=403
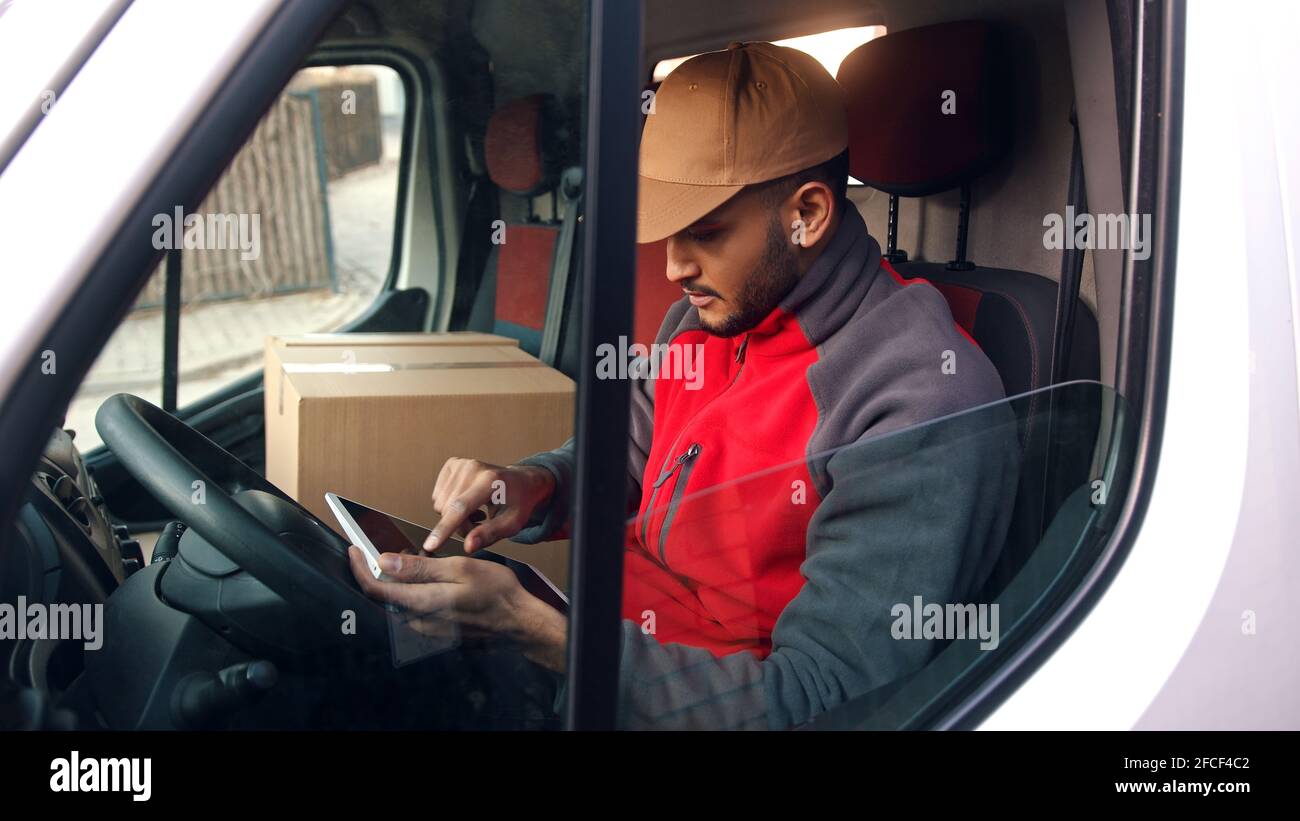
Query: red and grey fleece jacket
x=848 y=454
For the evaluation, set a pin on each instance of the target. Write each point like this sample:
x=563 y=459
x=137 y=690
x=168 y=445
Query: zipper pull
x=689 y=453
x=740 y=352
x=663 y=477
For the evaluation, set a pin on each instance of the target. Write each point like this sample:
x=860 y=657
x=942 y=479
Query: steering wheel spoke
x=258 y=527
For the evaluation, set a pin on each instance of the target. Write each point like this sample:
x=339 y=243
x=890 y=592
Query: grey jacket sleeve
x=552 y=516
x=551 y=519
x=918 y=513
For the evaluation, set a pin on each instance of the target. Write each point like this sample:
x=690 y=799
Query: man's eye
x=701 y=236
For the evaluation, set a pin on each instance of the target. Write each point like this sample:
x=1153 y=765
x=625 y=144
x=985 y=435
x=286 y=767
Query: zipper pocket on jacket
x=669 y=469
x=687 y=464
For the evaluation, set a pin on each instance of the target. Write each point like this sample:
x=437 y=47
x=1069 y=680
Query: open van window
x=296 y=237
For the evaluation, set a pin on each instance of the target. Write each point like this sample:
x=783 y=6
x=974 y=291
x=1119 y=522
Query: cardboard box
x=375 y=422
x=454 y=338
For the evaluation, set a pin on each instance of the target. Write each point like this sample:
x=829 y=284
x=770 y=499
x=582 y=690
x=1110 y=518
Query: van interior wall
x=1009 y=202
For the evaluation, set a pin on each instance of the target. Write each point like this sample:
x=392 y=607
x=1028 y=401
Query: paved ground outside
x=222 y=341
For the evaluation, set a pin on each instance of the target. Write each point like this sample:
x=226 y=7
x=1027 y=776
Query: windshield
x=293 y=294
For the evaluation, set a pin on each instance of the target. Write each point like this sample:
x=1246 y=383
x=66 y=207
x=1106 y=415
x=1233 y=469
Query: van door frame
x=613 y=127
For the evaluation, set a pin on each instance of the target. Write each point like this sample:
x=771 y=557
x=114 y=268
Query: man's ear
x=814 y=210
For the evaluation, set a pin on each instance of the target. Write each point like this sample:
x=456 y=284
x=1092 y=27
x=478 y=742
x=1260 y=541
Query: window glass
x=295 y=237
x=258 y=592
x=860 y=587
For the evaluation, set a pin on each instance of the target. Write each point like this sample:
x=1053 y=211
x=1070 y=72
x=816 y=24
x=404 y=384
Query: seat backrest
x=521 y=273
x=1010 y=314
x=930 y=109
x=522 y=155
x=654 y=293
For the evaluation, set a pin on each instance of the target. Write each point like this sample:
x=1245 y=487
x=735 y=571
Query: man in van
x=786 y=504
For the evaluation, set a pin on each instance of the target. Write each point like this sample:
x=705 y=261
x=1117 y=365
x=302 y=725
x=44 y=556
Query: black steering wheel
x=249 y=520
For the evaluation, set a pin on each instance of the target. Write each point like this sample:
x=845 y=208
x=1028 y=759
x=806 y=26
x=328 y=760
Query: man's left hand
x=481 y=598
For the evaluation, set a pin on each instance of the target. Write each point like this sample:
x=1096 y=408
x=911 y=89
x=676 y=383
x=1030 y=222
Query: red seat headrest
x=907 y=134
x=519 y=147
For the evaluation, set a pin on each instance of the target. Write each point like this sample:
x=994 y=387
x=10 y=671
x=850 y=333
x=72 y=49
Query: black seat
x=931 y=109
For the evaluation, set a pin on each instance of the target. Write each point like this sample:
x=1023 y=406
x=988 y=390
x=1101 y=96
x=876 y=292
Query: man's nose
x=682 y=266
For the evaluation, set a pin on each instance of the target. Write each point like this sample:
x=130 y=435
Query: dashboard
x=62 y=549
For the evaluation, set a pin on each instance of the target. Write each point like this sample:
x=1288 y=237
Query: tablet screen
x=390 y=534
x=387 y=533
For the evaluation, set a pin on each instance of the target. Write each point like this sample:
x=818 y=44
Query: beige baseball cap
x=727 y=119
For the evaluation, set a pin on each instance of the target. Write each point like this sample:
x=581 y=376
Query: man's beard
x=776 y=274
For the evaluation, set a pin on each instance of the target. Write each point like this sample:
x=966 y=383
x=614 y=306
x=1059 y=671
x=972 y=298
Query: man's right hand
x=466 y=485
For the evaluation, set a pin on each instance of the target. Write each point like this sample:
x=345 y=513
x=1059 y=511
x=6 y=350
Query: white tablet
x=377 y=532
